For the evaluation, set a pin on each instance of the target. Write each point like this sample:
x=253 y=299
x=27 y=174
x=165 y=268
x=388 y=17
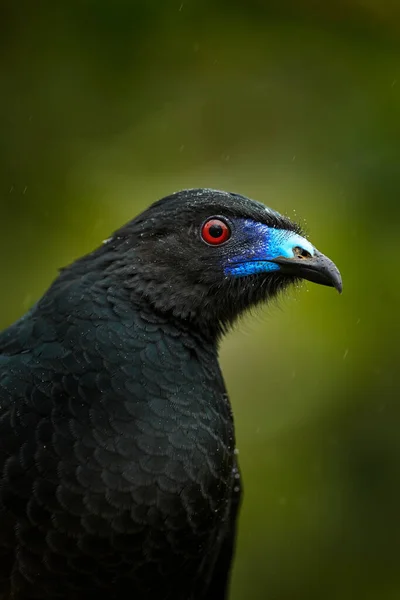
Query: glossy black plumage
x=118 y=472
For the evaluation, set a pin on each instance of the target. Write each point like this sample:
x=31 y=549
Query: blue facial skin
x=259 y=244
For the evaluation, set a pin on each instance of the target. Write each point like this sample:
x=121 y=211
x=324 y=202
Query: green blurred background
x=107 y=105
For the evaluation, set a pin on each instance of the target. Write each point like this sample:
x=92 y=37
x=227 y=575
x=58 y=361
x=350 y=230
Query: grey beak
x=317 y=268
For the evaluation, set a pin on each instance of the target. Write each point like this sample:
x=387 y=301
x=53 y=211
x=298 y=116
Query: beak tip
x=337 y=280
x=338 y=285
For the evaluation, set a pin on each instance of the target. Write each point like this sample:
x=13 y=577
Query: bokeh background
x=107 y=105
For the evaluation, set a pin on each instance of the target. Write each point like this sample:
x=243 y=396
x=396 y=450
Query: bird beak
x=317 y=268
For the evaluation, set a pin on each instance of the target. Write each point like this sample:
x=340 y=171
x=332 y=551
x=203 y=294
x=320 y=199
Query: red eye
x=215 y=232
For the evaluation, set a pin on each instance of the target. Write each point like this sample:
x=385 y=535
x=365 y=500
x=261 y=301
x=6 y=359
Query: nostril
x=299 y=252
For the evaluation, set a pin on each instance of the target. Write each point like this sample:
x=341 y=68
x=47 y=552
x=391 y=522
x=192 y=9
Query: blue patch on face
x=258 y=245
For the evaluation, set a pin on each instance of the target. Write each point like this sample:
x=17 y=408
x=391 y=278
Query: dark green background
x=106 y=106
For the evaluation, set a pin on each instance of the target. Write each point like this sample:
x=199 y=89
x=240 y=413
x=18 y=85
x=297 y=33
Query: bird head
x=206 y=256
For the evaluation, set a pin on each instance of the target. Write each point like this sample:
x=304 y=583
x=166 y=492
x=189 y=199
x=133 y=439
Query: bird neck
x=186 y=314
x=135 y=284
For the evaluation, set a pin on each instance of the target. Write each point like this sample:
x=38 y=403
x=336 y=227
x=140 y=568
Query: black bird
x=118 y=471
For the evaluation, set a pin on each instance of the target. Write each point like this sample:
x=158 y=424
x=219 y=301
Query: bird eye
x=215 y=232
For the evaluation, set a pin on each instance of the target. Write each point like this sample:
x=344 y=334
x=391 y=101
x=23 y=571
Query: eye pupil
x=215 y=231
